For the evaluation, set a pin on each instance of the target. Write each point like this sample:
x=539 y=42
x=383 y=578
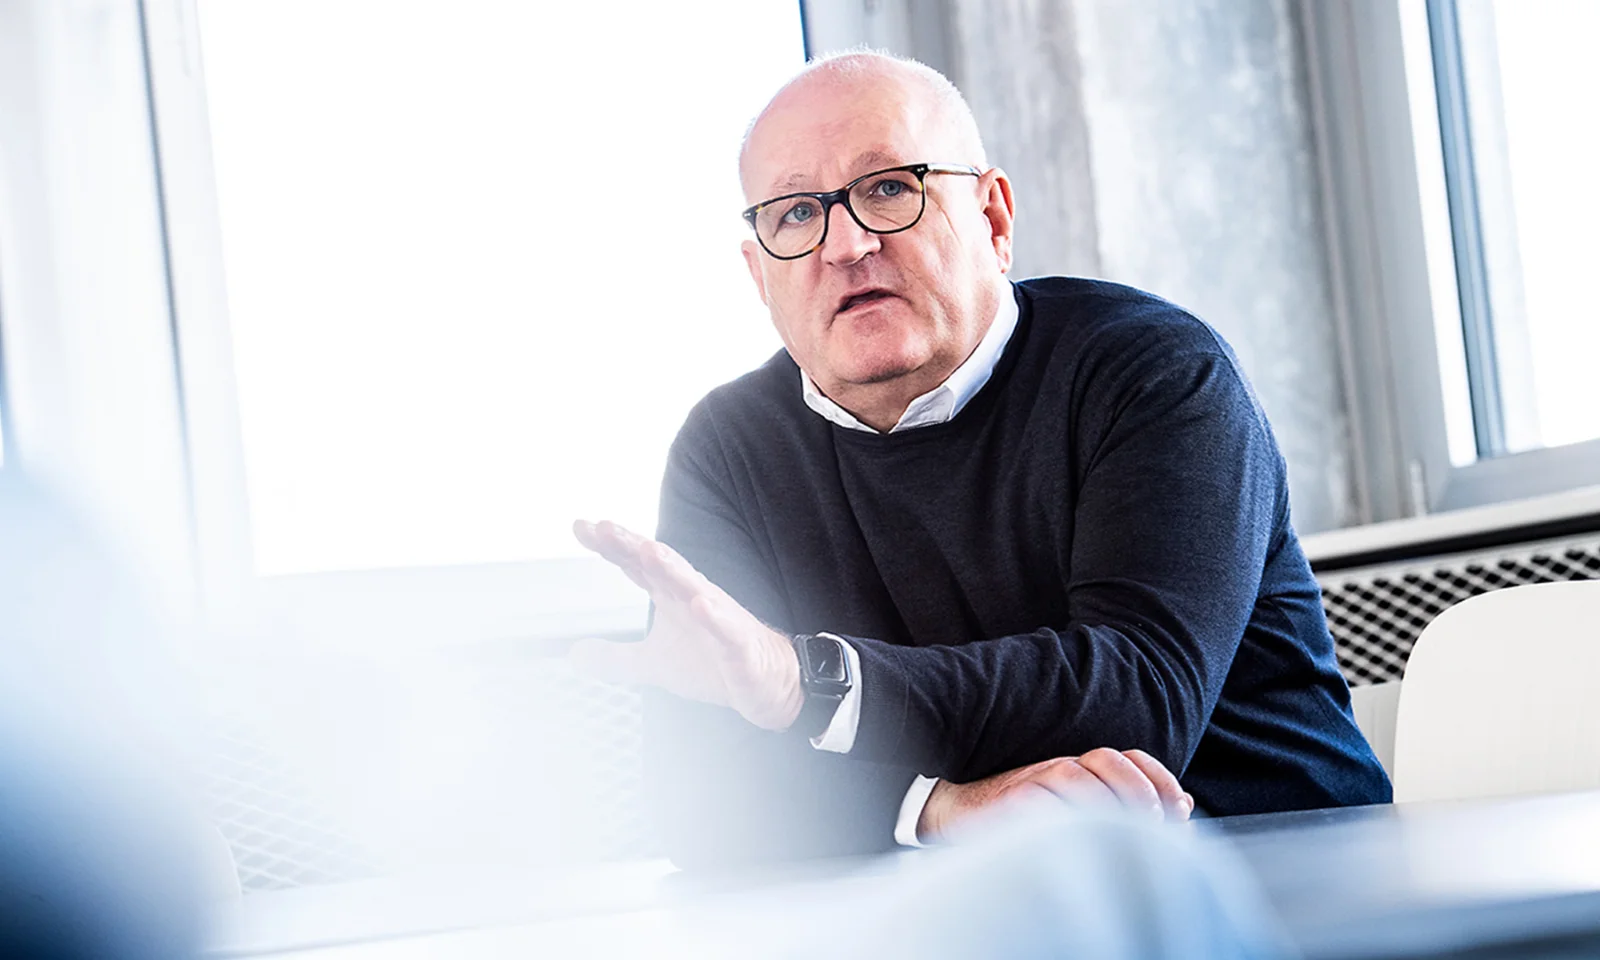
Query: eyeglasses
x=884 y=201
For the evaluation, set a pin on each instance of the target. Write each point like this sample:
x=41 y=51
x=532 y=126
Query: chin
x=879 y=355
x=880 y=370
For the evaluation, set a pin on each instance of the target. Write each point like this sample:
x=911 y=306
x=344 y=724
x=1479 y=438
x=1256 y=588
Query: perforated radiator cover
x=1376 y=613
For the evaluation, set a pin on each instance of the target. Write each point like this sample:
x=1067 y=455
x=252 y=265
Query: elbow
x=1175 y=715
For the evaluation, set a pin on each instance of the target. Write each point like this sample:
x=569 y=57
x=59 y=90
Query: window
x=1458 y=161
x=479 y=266
x=1514 y=83
x=5 y=432
x=480 y=259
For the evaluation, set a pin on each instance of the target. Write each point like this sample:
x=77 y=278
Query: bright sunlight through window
x=482 y=258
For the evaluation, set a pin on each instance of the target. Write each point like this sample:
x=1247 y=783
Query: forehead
x=819 y=136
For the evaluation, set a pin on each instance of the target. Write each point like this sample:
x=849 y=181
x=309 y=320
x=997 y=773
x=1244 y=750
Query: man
x=1046 y=522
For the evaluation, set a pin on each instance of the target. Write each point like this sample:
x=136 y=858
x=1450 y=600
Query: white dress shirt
x=938 y=405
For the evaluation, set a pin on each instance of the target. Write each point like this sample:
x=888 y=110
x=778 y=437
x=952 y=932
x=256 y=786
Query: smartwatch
x=824 y=677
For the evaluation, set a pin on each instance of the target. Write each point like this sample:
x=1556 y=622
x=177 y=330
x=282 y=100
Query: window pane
x=1531 y=84
x=3 y=412
x=1431 y=189
x=481 y=259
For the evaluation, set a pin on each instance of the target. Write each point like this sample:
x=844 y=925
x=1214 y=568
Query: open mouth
x=860 y=299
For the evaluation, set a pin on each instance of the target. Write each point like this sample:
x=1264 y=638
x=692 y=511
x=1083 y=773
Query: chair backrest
x=1502 y=696
x=1376 y=706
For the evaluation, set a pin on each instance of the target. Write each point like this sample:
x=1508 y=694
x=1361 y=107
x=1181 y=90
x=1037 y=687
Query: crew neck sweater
x=1096 y=551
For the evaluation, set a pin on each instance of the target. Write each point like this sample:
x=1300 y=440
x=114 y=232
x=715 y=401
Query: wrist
x=793 y=697
x=824 y=676
x=930 y=825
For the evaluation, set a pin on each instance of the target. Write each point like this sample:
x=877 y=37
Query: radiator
x=1382 y=584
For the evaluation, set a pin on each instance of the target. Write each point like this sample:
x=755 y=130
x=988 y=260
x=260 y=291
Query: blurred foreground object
x=97 y=853
x=1039 y=880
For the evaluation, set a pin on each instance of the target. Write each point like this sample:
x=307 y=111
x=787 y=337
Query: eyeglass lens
x=883 y=203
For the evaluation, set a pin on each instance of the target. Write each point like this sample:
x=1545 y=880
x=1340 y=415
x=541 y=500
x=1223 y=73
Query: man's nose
x=847 y=242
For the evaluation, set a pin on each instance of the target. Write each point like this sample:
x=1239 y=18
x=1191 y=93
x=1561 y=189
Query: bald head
x=877 y=317
x=830 y=89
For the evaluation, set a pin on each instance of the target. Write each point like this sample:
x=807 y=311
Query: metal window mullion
x=1466 y=229
x=805 y=32
x=6 y=456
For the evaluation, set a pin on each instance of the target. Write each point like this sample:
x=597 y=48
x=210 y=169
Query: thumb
x=607 y=661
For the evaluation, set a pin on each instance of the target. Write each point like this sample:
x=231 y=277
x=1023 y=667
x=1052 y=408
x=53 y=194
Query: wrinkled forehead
x=821 y=136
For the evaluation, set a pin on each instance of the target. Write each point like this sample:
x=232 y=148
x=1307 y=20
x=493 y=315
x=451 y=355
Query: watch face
x=825 y=658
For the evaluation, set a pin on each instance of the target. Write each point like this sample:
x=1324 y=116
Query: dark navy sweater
x=1096 y=551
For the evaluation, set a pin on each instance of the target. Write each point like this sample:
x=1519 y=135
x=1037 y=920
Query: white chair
x=1375 y=706
x=1502 y=696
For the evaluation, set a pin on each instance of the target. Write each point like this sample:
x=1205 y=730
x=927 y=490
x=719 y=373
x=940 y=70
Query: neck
x=878 y=409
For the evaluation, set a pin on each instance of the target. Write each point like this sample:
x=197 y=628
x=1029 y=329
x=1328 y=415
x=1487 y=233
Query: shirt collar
x=943 y=402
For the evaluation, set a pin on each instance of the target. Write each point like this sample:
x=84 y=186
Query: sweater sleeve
x=723 y=791
x=1180 y=491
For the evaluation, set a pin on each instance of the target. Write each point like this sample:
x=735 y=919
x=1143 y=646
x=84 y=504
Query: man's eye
x=798 y=214
x=889 y=188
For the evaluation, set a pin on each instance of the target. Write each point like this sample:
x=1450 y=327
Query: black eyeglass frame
x=842 y=196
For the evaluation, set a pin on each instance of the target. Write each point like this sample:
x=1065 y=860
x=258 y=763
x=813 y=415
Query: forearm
x=966 y=712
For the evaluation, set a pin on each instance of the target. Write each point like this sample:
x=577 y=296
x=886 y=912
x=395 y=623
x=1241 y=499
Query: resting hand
x=1132 y=778
x=702 y=644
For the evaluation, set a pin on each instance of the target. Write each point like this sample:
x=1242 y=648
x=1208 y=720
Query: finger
x=611 y=530
x=614 y=545
x=621 y=545
x=604 y=536
x=585 y=532
x=636 y=574
x=1125 y=779
x=666 y=572
x=672 y=575
x=1074 y=783
x=1174 y=800
x=611 y=662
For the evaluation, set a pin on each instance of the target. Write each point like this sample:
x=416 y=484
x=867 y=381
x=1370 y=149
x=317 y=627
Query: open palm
x=702 y=645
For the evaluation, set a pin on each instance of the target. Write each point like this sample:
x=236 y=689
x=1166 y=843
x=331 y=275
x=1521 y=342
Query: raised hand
x=702 y=644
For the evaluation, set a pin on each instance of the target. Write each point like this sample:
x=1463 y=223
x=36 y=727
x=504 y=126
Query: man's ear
x=1000 y=209
x=752 y=259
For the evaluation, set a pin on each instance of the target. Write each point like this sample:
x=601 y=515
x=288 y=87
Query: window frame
x=91 y=407
x=7 y=455
x=1379 y=247
x=547 y=602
